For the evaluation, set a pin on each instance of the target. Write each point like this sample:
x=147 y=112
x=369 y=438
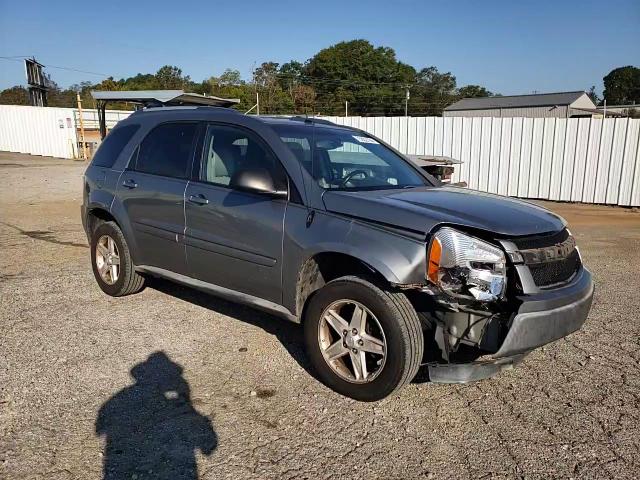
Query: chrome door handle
x=130 y=183
x=198 y=199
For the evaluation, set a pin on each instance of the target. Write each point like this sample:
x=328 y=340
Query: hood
x=421 y=209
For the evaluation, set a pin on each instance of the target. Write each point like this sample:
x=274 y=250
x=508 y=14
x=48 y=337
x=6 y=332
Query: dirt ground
x=141 y=382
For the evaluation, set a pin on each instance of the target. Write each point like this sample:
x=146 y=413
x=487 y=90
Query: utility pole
x=604 y=113
x=84 y=144
x=346 y=108
x=257 y=103
x=406 y=103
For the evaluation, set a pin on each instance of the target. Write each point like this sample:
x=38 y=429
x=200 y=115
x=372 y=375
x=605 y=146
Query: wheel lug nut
x=354 y=350
x=344 y=333
x=360 y=342
x=354 y=331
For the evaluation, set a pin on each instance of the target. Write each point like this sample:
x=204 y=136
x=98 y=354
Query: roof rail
x=321 y=121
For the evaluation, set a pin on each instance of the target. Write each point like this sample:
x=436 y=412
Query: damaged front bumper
x=541 y=318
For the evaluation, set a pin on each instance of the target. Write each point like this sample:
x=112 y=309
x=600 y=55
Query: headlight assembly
x=466 y=267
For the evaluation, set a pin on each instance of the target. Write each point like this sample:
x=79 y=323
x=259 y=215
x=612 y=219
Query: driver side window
x=229 y=150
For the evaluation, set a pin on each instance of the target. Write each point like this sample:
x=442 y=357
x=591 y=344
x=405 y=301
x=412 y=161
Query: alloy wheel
x=355 y=349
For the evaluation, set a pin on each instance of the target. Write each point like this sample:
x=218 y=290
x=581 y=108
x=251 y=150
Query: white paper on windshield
x=365 y=139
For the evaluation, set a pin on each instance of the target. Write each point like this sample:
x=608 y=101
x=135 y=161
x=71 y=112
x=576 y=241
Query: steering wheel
x=352 y=174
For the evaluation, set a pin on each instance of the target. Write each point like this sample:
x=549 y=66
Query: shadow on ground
x=151 y=429
x=288 y=333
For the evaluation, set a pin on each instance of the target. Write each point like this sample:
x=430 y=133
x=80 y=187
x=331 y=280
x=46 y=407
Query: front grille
x=552 y=258
x=541 y=241
x=558 y=271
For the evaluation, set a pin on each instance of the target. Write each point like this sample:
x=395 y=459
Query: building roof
x=163 y=97
x=516 y=101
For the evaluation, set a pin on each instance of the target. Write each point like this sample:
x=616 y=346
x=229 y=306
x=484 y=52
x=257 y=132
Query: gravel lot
x=240 y=396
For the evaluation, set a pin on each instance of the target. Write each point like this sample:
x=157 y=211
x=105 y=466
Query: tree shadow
x=151 y=429
x=288 y=333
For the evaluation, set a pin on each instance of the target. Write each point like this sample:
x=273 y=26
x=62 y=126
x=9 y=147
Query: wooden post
x=84 y=144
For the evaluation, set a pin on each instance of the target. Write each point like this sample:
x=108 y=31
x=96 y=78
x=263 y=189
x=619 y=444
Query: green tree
x=370 y=78
x=266 y=82
x=622 y=86
x=171 y=78
x=432 y=92
x=593 y=95
x=473 y=91
x=17 y=95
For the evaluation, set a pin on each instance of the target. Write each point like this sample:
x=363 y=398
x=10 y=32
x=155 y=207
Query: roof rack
x=154 y=98
x=300 y=118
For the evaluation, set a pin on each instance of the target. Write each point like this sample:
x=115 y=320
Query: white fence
x=38 y=130
x=576 y=159
x=580 y=160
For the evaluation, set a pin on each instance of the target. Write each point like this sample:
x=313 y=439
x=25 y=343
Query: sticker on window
x=365 y=139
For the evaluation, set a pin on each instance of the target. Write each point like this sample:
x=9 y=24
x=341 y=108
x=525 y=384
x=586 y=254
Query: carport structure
x=154 y=98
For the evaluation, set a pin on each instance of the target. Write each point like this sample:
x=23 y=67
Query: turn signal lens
x=435 y=253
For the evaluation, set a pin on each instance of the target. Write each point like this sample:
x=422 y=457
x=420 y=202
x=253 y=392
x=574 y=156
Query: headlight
x=467 y=267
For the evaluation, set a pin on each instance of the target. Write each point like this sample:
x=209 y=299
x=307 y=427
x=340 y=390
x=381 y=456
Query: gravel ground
x=143 y=381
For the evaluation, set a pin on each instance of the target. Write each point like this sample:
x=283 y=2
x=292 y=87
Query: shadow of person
x=151 y=428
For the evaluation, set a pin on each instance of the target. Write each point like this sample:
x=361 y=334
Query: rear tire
x=390 y=319
x=111 y=261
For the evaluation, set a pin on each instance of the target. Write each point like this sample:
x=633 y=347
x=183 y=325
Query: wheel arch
x=322 y=267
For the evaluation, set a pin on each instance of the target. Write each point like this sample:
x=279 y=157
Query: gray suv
x=387 y=269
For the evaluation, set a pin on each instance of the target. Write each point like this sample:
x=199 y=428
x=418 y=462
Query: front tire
x=363 y=341
x=111 y=261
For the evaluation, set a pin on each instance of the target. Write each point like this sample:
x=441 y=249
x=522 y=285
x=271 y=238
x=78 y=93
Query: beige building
x=562 y=105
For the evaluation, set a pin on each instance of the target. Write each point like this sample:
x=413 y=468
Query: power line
x=19 y=58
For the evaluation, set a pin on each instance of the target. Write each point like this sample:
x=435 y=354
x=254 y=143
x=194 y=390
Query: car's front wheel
x=364 y=341
x=111 y=261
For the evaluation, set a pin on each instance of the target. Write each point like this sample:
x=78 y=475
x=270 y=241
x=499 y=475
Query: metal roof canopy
x=516 y=101
x=154 y=98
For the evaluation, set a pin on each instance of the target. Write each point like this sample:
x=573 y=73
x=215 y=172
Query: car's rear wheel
x=111 y=262
x=364 y=341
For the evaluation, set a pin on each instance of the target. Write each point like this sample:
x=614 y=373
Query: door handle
x=198 y=199
x=130 y=183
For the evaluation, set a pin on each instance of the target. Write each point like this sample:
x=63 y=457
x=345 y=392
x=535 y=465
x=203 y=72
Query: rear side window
x=166 y=151
x=112 y=145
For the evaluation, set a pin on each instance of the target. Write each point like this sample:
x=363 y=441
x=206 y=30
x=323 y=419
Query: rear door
x=152 y=192
x=233 y=237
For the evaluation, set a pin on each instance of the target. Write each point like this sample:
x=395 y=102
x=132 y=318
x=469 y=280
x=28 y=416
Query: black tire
x=402 y=331
x=128 y=280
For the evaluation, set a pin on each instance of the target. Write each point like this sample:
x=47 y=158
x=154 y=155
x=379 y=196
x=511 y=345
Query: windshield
x=341 y=159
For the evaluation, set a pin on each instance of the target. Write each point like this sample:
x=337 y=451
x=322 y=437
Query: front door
x=234 y=238
x=152 y=192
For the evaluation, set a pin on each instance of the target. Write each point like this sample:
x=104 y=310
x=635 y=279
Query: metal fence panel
x=38 y=131
x=586 y=160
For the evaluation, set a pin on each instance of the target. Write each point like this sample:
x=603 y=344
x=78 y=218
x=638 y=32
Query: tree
x=370 y=78
x=433 y=91
x=170 y=78
x=266 y=82
x=17 y=95
x=593 y=95
x=473 y=91
x=622 y=86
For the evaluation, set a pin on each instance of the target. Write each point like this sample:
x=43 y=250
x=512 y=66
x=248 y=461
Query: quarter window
x=166 y=151
x=112 y=145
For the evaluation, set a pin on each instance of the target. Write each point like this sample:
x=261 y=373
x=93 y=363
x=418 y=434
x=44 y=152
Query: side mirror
x=257 y=180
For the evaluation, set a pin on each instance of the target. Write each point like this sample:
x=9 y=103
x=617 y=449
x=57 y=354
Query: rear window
x=113 y=144
x=166 y=151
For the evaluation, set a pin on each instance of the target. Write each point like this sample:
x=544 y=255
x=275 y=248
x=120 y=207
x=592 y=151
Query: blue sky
x=510 y=47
